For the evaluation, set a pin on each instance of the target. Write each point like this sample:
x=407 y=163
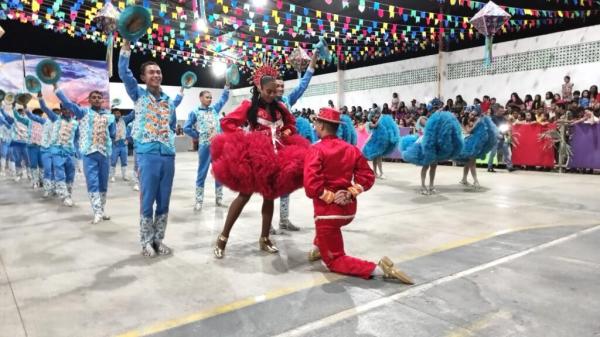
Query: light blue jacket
x=153 y=129
x=92 y=125
x=290 y=99
x=48 y=124
x=203 y=122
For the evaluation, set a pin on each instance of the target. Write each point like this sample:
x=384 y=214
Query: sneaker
x=511 y=169
x=287 y=225
x=432 y=190
x=148 y=251
x=198 y=207
x=424 y=191
x=17 y=179
x=136 y=187
x=491 y=170
x=105 y=217
x=46 y=194
x=476 y=186
x=220 y=203
x=125 y=178
x=112 y=179
x=464 y=183
x=68 y=202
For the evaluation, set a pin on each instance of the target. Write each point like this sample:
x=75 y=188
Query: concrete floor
x=519 y=258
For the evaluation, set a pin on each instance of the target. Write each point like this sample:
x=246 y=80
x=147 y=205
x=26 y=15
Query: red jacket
x=235 y=120
x=333 y=165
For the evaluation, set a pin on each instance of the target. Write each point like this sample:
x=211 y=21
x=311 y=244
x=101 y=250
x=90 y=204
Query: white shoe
x=148 y=250
x=17 y=179
x=97 y=219
x=136 y=187
x=112 y=179
x=198 y=207
x=46 y=194
x=68 y=202
x=125 y=178
x=464 y=183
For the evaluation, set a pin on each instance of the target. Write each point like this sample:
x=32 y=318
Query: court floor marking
x=280 y=292
x=421 y=288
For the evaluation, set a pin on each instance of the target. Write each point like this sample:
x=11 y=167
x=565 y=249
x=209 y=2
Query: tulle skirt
x=346 y=130
x=442 y=141
x=384 y=139
x=248 y=163
x=482 y=139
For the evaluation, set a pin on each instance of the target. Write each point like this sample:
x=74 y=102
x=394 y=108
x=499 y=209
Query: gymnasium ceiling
x=383 y=31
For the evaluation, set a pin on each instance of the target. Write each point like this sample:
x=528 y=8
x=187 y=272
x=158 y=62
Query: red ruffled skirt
x=247 y=163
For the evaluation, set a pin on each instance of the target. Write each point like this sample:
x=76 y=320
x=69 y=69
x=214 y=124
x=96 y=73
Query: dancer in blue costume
x=5 y=139
x=96 y=130
x=154 y=138
x=203 y=124
x=346 y=130
x=305 y=128
x=441 y=140
x=48 y=122
x=384 y=139
x=481 y=135
x=19 y=140
x=289 y=100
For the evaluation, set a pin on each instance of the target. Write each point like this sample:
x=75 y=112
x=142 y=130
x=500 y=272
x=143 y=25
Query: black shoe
x=511 y=169
x=491 y=170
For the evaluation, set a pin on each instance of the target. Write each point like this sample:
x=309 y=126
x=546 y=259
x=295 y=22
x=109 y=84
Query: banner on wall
x=79 y=77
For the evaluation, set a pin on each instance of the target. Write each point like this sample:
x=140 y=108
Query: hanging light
x=259 y=3
x=219 y=68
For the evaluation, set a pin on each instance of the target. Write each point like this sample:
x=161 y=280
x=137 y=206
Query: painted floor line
x=419 y=289
x=246 y=302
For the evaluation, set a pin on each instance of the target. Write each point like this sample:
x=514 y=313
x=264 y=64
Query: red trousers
x=331 y=245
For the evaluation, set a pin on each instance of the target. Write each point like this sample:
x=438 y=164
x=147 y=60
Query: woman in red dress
x=258 y=151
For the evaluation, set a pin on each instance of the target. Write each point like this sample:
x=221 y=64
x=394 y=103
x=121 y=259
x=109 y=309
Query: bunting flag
x=242 y=33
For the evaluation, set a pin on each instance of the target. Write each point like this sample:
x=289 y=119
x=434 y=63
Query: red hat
x=329 y=115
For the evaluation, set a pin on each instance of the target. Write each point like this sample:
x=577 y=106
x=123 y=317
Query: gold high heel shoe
x=267 y=245
x=390 y=272
x=220 y=252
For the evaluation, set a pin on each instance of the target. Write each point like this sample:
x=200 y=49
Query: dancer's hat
x=233 y=75
x=48 y=71
x=134 y=21
x=188 y=79
x=9 y=98
x=32 y=84
x=323 y=51
x=23 y=98
x=328 y=115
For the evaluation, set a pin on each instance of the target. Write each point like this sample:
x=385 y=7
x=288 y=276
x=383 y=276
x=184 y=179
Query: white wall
x=533 y=82
x=498 y=85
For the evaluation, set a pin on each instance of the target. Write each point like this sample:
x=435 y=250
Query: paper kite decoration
x=299 y=59
x=106 y=20
x=488 y=21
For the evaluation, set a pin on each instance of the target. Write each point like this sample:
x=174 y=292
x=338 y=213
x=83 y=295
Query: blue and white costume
x=96 y=128
x=119 y=151
x=203 y=124
x=153 y=133
x=289 y=100
x=5 y=139
x=18 y=144
x=46 y=155
x=34 y=139
x=62 y=152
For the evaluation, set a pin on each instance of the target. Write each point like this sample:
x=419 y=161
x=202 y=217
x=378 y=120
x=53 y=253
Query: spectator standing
x=567 y=89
